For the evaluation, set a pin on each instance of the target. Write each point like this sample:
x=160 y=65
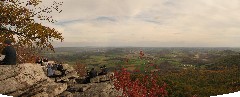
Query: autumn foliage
x=26 y=55
x=146 y=86
x=20 y=21
x=81 y=69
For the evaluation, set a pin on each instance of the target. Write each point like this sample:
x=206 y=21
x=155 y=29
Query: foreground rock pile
x=30 y=80
x=27 y=80
x=100 y=86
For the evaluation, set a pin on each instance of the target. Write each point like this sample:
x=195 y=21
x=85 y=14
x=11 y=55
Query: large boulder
x=27 y=80
x=102 y=78
x=70 y=74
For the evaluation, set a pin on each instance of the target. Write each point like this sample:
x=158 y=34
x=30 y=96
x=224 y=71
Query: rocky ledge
x=29 y=79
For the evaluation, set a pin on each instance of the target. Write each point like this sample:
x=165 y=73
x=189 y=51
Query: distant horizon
x=134 y=47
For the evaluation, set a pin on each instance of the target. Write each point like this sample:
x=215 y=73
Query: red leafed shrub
x=81 y=69
x=144 y=87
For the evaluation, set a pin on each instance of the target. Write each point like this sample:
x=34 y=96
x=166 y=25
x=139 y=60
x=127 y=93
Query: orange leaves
x=33 y=2
x=81 y=69
x=25 y=54
x=17 y=23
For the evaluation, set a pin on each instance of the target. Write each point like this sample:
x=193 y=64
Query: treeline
x=71 y=57
x=228 y=61
x=201 y=83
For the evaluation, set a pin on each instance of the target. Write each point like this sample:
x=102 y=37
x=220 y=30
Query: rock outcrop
x=100 y=86
x=27 y=80
x=70 y=76
x=103 y=89
x=30 y=79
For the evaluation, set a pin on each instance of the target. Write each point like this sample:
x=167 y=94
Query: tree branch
x=17 y=33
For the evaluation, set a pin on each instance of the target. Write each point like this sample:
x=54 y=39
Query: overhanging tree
x=18 y=23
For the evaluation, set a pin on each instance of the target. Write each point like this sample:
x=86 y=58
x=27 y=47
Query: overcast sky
x=149 y=23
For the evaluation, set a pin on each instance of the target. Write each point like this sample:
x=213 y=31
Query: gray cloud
x=160 y=22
